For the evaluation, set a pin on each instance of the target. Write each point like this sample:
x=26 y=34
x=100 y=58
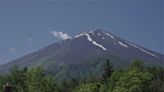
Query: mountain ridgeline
x=86 y=54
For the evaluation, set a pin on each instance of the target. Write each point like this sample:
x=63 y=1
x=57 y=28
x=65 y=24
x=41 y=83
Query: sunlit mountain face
x=86 y=53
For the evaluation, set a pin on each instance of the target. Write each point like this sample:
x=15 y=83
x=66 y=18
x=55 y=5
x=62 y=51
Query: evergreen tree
x=108 y=70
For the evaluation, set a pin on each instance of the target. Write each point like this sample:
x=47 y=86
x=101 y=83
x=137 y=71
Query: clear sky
x=27 y=25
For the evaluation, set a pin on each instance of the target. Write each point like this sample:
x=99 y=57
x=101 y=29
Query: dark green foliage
x=88 y=87
x=68 y=86
x=136 y=78
x=114 y=78
x=29 y=80
x=133 y=81
x=16 y=78
x=37 y=81
x=157 y=83
x=108 y=70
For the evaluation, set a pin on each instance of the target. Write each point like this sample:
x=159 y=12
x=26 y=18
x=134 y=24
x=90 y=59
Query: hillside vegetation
x=135 y=78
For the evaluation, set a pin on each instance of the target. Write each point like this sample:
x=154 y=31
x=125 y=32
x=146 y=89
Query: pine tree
x=108 y=70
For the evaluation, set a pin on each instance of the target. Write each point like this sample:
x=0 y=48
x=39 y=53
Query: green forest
x=135 y=78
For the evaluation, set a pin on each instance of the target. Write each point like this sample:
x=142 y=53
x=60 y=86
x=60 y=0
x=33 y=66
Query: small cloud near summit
x=60 y=35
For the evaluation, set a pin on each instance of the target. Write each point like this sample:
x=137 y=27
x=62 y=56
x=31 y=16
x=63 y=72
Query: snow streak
x=91 y=40
x=111 y=36
x=95 y=43
x=122 y=44
x=142 y=49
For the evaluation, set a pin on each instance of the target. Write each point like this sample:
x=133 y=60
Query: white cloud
x=12 y=50
x=60 y=35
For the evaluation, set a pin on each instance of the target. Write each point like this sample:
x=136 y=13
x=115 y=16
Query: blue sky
x=26 y=26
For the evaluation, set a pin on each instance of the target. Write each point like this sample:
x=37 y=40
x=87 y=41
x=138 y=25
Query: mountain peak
x=95 y=32
x=85 y=46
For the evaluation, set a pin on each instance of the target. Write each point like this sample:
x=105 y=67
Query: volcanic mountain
x=85 y=53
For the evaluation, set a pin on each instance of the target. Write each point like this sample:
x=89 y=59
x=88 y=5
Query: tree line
x=135 y=78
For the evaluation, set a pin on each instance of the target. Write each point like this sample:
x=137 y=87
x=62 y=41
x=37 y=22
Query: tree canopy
x=135 y=78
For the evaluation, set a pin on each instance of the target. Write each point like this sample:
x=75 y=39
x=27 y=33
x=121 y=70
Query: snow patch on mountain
x=94 y=42
x=142 y=49
x=91 y=40
x=122 y=44
x=79 y=35
x=91 y=32
x=111 y=36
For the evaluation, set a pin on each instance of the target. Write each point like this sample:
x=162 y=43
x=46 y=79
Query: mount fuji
x=85 y=53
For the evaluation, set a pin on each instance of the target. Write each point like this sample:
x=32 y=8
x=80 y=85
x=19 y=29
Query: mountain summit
x=85 y=49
